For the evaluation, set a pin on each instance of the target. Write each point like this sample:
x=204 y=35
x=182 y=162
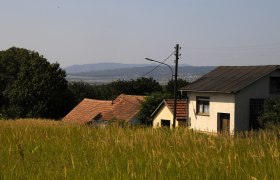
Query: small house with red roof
x=163 y=115
x=124 y=108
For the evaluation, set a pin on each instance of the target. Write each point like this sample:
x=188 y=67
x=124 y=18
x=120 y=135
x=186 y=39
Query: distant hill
x=161 y=74
x=78 y=68
x=99 y=67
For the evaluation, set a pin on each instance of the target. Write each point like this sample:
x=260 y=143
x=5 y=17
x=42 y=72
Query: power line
x=240 y=48
x=158 y=64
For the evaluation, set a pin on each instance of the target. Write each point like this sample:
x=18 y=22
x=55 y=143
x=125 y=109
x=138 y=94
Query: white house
x=163 y=115
x=230 y=98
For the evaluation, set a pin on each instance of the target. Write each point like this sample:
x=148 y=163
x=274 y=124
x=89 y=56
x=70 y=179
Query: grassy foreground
x=38 y=149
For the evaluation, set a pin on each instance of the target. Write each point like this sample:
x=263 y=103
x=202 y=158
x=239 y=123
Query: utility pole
x=175 y=85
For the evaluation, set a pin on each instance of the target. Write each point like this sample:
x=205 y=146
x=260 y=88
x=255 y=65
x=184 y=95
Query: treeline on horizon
x=31 y=87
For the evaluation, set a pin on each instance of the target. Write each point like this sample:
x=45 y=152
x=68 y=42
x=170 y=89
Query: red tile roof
x=181 y=108
x=124 y=107
x=86 y=110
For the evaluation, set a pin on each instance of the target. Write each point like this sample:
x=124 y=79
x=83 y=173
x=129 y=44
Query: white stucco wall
x=218 y=103
x=259 y=89
x=163 y=114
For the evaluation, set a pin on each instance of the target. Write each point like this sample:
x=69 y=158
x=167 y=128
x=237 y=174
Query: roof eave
x=158 y=108
x=163 y=102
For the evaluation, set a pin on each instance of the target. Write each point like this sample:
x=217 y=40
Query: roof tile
x=181 y=108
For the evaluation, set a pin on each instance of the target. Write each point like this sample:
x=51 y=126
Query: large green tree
x=31 y=86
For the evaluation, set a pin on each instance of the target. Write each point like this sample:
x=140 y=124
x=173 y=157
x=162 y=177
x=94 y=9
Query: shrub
x=149 y=105
x=271 y=114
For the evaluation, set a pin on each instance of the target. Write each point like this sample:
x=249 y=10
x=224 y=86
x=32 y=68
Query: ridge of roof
x=88 y=99
x=130 y=95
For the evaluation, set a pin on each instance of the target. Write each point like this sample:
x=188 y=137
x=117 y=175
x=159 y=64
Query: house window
x=165 y=123
x=274 y=85
x=202 y=105
x=255 y=110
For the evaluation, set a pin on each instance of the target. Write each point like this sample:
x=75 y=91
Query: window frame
x=204 y=103
x=165 y=123
x=256 y=107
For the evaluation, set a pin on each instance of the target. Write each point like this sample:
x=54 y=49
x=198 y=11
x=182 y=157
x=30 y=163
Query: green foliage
x=180 y=84
x=1 y=116
x=140 y=86
x=81 y=90
x=34 y=149
x=271 y=114
x=31 y=86
x=149 y=105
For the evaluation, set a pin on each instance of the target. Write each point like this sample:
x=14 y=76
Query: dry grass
x=40 y=149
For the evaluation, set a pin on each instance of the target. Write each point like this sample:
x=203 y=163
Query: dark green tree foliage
x=81 y=90
x=180 y=84
x=140 y=86
x=146 y=86
x=8 y=71
x=149 y=105
x=271 y=114
x=32 y=87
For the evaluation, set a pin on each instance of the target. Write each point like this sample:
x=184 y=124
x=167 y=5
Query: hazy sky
x=211 y=32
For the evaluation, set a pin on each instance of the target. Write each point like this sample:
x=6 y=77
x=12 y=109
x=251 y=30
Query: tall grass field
x=41 y=149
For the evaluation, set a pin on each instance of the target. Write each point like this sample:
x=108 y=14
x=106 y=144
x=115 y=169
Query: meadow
x=42 y=149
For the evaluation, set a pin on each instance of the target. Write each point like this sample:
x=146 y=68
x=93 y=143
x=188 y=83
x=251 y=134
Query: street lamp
x=163 y=64
x=174 y=88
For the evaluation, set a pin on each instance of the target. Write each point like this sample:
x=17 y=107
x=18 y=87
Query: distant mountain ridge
x=161 y=74
x=79 y=68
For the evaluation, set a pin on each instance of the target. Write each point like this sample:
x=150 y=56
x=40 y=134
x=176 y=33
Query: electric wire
x=158 y=64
